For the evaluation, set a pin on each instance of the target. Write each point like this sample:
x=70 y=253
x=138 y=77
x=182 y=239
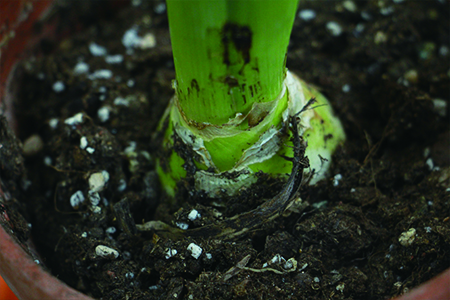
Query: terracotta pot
x=437 y=288
x=26 y=278
x=16 y=33
x=23 y=274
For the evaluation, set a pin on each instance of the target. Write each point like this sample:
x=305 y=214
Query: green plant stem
x=228 y=55
x=228 y=120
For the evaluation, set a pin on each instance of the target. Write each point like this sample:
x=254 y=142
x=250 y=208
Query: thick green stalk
x=228 y=55
x=233 y=97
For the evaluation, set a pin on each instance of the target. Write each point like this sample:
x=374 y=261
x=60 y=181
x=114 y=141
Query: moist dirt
x=82 y=171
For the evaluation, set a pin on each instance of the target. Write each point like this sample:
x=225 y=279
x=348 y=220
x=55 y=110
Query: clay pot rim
x=26 y=278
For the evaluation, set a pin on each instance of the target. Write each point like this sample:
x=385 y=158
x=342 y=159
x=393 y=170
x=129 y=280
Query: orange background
x=5 y=292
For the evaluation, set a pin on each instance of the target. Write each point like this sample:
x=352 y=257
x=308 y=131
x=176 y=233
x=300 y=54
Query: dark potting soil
x=378 y=226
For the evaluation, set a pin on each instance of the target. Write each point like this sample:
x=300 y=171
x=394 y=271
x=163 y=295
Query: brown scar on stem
x=241 y=37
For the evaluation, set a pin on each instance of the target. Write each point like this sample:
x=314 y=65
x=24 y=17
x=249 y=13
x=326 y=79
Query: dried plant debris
x=86 y=184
